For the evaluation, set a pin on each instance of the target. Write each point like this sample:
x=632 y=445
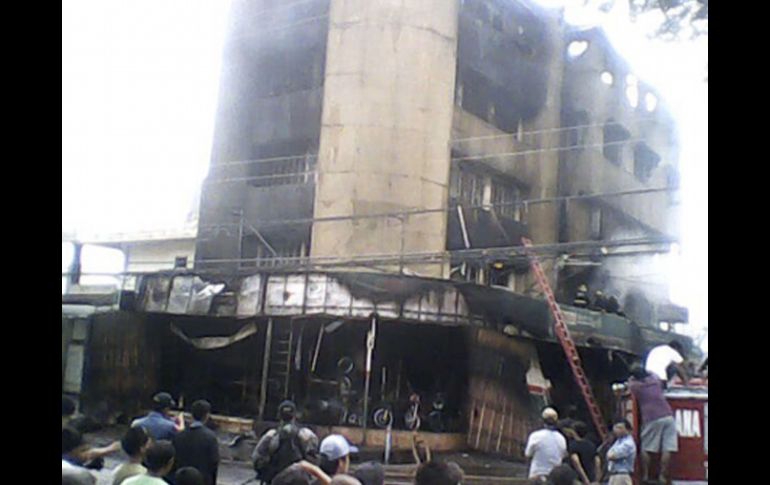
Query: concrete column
x=386 y=124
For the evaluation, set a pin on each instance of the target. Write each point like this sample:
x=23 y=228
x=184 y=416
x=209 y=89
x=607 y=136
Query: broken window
x=577 y=48
x=282 y=171
x=476 y=189
x=645 y=161
x=505 y=198
x=467 y=187
x=257 y=254
x=575 y=122
x=491 y=113
x=596 y=223
x=650 y=101
x=499 y=275
x=614 y=136
x=632 y=90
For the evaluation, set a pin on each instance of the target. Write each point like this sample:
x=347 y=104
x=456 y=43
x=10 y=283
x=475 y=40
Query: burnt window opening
x=285 y=171
x=632 y=90
x=256 y=253
x=614 y=136
x=505 y=199
x=491 y=113
x=467 y=187
x=466 y=271
x=476 y=93
x=650 y=102
x=632 y=94
x=180 y=262
x=576 y=121
x=645 y=161
x=471 y=188
x=596 y=225
x=576 y=48
x=500 y=275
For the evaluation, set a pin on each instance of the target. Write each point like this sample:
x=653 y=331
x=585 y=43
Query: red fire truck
x=689 y=466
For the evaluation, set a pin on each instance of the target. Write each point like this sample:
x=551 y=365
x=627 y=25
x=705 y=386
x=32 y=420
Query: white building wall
x=149 y=256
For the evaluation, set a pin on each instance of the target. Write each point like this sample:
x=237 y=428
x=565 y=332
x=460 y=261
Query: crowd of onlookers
x=162 y=449
x=563 y=452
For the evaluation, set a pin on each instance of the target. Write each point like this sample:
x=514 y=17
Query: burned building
x=375 y=166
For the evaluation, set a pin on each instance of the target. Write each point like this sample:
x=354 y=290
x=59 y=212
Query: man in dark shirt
x=562 y=475
x=197 y=446
x=583 y=457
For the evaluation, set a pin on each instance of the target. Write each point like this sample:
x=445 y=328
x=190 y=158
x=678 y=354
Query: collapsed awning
x=216 y=342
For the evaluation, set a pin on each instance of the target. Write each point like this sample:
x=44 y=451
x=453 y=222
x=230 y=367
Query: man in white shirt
x=662 y=356
x=159 y=460
x=546 y=447
x=74 y=452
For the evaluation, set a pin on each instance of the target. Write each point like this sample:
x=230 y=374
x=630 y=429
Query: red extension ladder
x=567 y=343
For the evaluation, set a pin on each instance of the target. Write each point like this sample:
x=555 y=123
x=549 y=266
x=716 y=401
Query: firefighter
x=599 y=302
x=613 y=306
x=581 y=297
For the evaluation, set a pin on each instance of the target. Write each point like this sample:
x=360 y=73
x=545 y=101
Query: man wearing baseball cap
x=335 y=454
x=160 y=423
x=546 y=447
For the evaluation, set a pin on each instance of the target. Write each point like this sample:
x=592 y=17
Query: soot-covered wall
x=502 y=68
x=271 y=91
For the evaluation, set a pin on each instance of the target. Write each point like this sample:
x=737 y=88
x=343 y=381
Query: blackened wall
x=122 y=368
x=270 y=100
x=502 y=65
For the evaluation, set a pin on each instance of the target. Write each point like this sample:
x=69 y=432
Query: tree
x=679 y=18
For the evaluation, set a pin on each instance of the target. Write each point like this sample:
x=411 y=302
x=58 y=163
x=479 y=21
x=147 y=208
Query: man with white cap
x=546 y=447
x=335 y=454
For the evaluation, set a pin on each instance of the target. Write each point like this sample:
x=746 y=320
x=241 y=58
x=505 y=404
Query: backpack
x=289 y=451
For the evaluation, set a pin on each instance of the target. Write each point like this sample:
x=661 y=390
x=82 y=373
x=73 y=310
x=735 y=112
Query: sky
x=139 y=93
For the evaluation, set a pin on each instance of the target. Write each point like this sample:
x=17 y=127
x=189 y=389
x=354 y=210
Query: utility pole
x=370 y=339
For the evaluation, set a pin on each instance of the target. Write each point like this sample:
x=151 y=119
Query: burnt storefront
x=467 y=366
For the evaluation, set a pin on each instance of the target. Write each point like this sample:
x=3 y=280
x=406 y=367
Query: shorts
x=660 y=435
x=620 y=480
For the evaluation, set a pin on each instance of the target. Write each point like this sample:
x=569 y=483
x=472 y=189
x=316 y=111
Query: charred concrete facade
x=353 y=129
x=624 y=141
x=270 y=105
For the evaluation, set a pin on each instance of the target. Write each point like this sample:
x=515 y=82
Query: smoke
x=624 y=275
